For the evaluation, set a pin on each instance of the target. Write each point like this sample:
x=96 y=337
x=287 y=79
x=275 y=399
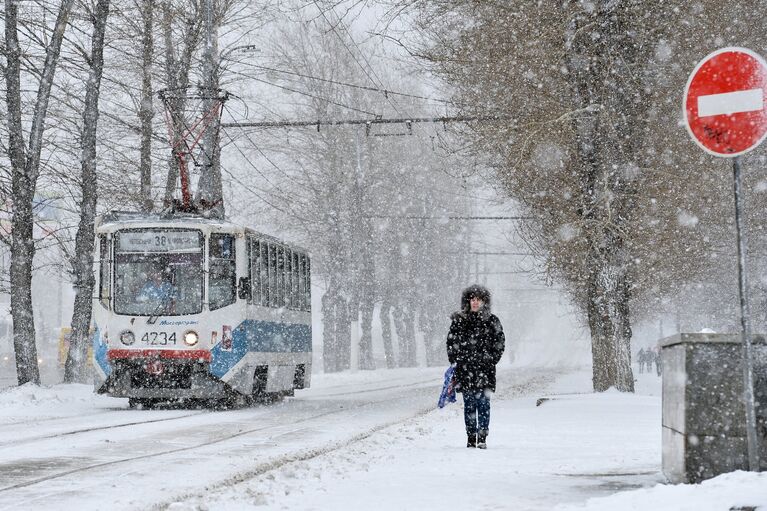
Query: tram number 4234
x=158 y=338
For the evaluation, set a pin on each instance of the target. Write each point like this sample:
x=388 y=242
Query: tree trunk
x=365 y=359
x=366 y=283
x=610 y=331
x=22 y=254
x=329 y=351
x=434 y=345
x=410 y=347
x=404 y=323
x=209 y=191
x=336 y=346
x=343 y=333
x=74 y=369
x=25 y=170
x=146 y=109
x=385 y=315
x=607 y=289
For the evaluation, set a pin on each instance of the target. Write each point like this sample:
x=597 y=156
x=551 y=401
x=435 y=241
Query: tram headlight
x=127 y=337
x=191 y=338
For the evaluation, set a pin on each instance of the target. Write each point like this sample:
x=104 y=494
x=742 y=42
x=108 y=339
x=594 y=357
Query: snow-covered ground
x=573 y=451
x=355 y=440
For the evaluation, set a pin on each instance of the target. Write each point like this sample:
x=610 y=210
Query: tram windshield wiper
x=162 y=308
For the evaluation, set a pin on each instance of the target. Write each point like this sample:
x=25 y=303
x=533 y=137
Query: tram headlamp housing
x=127 y=337
x=191 y=338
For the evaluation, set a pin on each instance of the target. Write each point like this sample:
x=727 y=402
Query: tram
x=194 y=308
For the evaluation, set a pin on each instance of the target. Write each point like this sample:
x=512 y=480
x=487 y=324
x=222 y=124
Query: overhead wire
x=354 y=57
x=347 y=84
x=261 y=196
x=259 y=171
x=247 y=135
x=342 y=105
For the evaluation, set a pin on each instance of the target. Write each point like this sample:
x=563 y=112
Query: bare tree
x=341 y=189
x=84 y=241
x=25 y=164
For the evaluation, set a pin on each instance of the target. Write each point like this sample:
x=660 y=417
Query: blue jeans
x=476 y=409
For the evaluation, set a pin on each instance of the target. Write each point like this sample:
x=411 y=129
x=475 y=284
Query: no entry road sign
x=725 y=115
x=724 y=107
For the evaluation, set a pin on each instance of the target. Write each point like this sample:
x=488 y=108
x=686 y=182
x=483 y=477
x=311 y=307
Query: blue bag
x=448 y=388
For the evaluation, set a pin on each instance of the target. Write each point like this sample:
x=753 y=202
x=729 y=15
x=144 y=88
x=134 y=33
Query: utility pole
x=209 y=188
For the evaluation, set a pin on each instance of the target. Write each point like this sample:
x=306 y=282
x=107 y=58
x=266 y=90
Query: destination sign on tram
x=159 y=241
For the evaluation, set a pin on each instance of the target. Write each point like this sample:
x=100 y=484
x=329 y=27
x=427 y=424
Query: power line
x=536 y=289
x=498 y=253
x=311 y=95
x=451 y=217
x=519 y=272
x=333 y=28
x=378 y=120
x=247 y=135
x=386 y=92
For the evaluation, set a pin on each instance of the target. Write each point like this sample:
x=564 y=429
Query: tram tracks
x=378 y=389
x=76 y=470
x=30 y=440
x=38 y=420
x=281 y=426
x=532 y=383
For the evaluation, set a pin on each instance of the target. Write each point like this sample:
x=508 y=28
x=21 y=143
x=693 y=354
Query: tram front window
x=153 y=283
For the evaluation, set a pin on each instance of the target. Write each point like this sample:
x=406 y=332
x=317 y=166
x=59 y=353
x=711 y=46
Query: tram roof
x=115 y=219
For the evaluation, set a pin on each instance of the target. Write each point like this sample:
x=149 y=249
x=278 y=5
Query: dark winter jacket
x=475 y=343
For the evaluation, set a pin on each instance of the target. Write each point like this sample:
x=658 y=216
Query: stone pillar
x=704 y=418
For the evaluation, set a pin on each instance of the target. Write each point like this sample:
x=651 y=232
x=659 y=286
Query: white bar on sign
x=730 y=102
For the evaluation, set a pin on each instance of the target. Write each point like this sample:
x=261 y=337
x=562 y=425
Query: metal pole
x=745 y=324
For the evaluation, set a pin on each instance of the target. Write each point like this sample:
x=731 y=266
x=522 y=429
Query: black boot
x=472 y=440
x=482 y=439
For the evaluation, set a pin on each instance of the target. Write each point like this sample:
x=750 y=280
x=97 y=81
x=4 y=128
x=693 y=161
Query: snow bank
x=737 y=489
x=30 y=401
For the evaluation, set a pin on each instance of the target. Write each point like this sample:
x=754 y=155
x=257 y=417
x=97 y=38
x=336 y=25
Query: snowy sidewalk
x=573 y=450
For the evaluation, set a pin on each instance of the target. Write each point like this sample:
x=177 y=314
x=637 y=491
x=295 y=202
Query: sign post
x=725 y=115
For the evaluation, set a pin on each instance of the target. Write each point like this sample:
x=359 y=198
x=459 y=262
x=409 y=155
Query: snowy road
x=88 y=457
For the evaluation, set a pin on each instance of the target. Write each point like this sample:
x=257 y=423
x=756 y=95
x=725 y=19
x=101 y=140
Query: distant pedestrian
x=641 y=360
x=658 y=364
x=475 y=344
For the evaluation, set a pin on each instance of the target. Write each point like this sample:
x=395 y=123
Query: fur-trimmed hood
x=480 y=292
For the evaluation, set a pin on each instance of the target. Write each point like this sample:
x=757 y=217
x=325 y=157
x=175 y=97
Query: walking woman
x=475 y=345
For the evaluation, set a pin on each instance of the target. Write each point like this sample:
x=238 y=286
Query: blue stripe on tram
x=260 y=336
x=100 y=351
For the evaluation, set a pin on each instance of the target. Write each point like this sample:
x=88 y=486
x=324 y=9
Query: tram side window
x=306 y=302
x=301 y=281
x=273 y=291
x=222 y=277
x=255 y=271
x=308 y=290
x=265 y=289
x=280 y=285
x=104 y=271
x=288 y=278
x=296 y=276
